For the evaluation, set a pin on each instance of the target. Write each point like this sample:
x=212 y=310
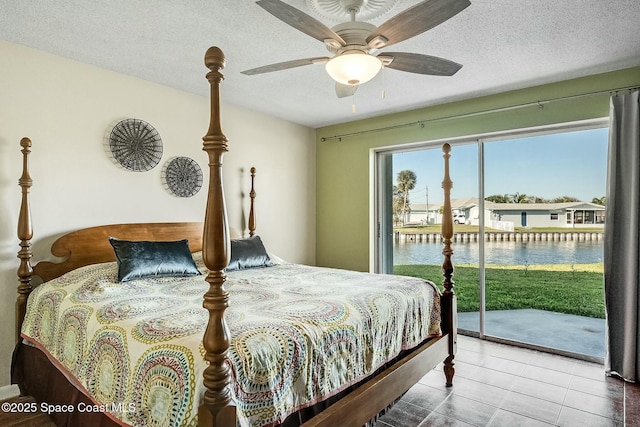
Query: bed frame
x=91 y=245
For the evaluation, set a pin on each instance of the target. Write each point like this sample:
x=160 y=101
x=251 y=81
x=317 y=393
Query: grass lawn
x=571 y=289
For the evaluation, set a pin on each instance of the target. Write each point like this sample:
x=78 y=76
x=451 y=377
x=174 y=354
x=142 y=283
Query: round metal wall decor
x=136 y=145
x=182 y=176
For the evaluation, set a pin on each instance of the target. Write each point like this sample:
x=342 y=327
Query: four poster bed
x=116 y=330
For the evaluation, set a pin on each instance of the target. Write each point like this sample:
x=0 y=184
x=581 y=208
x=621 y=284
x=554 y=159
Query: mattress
x=299 y=335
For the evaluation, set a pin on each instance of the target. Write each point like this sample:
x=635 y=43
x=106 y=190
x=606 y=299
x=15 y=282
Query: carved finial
x=214 y=58
x=25 y=180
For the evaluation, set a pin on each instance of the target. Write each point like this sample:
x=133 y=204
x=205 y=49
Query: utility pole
x=427 y=209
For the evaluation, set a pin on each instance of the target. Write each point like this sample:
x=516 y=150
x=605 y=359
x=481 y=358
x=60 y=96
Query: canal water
x=502 y=252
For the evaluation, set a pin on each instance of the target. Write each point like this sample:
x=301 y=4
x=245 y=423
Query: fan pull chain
x=353 y=104
x=383 y=95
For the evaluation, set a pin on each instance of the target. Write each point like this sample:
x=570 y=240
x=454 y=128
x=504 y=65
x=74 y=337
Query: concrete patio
x=565 y=332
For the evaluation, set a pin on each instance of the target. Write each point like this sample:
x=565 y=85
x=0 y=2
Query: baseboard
x=9 y=391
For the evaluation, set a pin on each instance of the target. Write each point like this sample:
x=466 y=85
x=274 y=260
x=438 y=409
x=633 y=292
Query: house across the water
x=506 y=216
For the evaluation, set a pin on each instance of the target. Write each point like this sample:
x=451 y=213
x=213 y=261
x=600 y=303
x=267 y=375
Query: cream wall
x=66 y=107
x=343 y=223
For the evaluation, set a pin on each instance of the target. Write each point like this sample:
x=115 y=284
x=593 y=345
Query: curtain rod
x=421 y=123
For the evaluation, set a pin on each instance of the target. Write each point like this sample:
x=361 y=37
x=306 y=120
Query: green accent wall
x=343 y=167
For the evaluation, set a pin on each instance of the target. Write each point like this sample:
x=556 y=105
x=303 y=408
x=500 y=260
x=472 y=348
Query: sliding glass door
x=528 y=227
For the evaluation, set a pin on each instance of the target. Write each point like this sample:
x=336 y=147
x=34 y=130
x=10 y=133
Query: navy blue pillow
x=144 y=259
x=248 y=253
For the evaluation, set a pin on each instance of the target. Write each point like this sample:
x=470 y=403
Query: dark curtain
x=622 y=238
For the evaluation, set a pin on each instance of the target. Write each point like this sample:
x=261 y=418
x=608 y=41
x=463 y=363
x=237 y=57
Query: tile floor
x=500 y=385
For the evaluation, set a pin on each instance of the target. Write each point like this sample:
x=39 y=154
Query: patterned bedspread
x=299 y=334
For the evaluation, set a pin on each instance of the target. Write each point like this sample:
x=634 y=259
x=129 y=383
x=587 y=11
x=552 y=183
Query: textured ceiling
x=503 y=45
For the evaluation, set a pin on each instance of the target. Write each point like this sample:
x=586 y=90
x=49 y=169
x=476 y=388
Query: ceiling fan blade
x=419 y=64
x=285 y=65
x=300 y=20
x=344 y=91
x=415 y=20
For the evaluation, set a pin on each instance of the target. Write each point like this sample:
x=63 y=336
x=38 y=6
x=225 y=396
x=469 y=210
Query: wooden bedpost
x=215 y=253
x=449 y=308
x=252 y=196
x=25 y=233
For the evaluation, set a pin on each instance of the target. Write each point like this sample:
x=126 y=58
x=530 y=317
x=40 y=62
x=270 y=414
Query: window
x=553 y=217
x=578 y=217
x=588 y=217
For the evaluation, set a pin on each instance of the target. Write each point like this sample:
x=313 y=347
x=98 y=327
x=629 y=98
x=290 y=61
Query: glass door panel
x=543 y=279
x=417 y=218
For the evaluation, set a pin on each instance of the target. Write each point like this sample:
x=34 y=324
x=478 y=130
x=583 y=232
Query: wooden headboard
x=91 y=245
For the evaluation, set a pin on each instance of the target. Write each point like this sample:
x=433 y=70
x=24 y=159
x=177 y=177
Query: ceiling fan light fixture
x=353 y=67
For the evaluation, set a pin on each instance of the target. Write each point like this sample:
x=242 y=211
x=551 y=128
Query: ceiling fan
x=354 y=43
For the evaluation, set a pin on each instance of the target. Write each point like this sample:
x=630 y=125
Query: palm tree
x=519 y=198
x=397 y=204
x=406 y=182
x=600 y=200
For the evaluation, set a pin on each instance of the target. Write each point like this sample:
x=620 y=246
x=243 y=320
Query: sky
x=548 y=166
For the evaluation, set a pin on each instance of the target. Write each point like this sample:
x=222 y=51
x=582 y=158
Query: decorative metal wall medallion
x=136 y=145
x=182 y=176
